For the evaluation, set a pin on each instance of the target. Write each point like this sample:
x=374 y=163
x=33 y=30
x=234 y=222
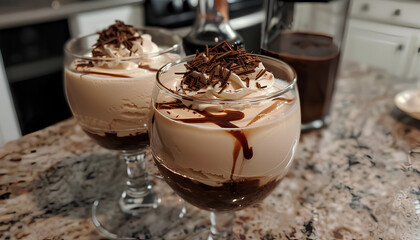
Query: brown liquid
x=114 y=142
x=231 y=195
x=315 y=59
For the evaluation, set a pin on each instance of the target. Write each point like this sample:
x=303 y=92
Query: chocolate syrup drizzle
x=147 y=67
x=223 y=121
x=86 y=72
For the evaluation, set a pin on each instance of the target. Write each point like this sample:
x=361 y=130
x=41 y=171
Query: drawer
x=380 y=45
x=397 y=12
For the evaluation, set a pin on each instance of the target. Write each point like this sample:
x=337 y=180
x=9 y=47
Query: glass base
x=205 y=234
x=149 y=218
x=138 y=205
x=316 y=124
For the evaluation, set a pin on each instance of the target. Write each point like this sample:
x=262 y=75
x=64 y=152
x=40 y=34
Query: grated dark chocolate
x=116 y=34
x=260 y=73
x=83 y=64
x=215 y=65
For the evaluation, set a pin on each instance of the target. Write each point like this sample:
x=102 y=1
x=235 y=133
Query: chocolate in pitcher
x=315 y=59
x=308 y=35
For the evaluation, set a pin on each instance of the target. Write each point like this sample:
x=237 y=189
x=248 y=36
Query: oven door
x=33 y=66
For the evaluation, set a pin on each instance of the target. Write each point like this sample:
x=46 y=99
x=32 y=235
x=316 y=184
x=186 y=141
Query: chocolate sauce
x=315 y=59
x=231 y=195
x=223 y=121
x=147 y=67
x=114 y=142
x=104 y=73
x=271 y=108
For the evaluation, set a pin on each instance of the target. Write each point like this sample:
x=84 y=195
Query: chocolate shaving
x=247 y=82
x=223 y=88
x=246 y=72
x=261 y=73
x=216 y=64
x=259 y=85
x=84 y=64
x=116 y=34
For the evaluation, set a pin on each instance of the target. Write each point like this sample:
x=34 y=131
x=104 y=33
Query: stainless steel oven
x=32 y=59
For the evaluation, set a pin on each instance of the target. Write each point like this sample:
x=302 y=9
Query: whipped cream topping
x=142 y=45
x=137 y=54
x=123 y=47
x=225 y=72
x=236 y=86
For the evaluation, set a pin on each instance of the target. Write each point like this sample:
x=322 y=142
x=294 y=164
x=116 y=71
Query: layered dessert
x=224 y=127
x=109 y=88
x=315 y=58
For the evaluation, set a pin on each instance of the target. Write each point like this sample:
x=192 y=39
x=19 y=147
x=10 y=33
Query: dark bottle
x=211 y=27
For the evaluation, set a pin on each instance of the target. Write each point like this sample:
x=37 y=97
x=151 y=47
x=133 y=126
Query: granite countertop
x=357 y=179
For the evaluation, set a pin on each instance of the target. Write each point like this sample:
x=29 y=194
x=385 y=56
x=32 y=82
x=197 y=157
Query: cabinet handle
x=400 y=47
x=397 y=12
x=418 y=50
x=365 y=7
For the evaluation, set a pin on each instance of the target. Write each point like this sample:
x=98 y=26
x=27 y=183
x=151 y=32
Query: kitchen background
x=381 y=33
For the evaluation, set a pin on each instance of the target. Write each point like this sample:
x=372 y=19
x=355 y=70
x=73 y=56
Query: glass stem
x=138 y=184
x=221 y=225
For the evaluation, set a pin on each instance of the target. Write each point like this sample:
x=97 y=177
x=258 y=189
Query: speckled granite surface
x=358 y=179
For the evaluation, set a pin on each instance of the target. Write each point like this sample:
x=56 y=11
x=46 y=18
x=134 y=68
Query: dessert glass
x=217 y=160
x=113 y=108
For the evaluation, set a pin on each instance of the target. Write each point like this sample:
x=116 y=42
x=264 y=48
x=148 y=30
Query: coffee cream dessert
x=109 y=92
x=224 y=155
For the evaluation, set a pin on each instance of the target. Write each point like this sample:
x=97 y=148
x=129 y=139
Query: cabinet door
x=379 y=45
x=415 y=63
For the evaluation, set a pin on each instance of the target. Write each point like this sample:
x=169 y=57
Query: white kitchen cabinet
x=414 y=71
x=379 y=45
x=385 y=34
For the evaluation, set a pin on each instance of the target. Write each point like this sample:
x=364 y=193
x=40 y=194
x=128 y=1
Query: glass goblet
x=110 y=99
x=224 y=155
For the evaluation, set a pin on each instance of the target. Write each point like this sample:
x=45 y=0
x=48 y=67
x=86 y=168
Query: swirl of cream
x=140 y=48
x=246 y=86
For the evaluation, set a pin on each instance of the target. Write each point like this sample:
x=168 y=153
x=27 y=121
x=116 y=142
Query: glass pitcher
x=308 y=35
